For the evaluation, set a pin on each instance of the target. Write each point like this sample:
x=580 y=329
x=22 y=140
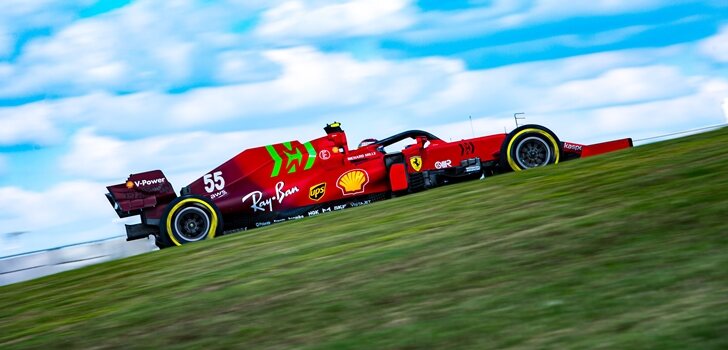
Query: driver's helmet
x=367 y=142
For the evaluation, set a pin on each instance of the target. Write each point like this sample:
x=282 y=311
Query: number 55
x=214 y=182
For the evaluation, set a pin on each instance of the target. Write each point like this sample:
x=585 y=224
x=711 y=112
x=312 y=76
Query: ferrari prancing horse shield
x=416 y=163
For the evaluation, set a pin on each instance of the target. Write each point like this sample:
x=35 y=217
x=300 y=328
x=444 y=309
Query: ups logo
x=317 y=192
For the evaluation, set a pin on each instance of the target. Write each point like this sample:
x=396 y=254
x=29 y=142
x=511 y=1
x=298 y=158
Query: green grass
x=625 y=251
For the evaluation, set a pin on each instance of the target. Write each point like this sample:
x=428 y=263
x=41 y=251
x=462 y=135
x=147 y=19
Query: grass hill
x=624 y=251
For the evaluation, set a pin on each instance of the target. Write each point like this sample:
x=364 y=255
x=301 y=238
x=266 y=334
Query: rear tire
x=162 y=242
x=530 y=146
x=189 y=219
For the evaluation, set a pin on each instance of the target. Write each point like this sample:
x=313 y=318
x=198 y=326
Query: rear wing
x=139 y=192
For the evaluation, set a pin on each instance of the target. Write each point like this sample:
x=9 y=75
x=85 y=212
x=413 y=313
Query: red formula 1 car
x=294 y=180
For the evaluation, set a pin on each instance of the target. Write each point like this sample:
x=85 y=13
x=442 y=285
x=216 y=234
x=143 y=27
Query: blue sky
x=94 y=90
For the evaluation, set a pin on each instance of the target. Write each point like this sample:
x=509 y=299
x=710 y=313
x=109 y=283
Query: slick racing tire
x=530 y=146
x=190 y=219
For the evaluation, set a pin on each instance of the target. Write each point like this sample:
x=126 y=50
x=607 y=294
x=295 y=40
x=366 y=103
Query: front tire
x=190 y=219
x=530 y=146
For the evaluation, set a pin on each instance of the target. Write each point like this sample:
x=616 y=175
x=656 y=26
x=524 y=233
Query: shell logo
x=129 y=185
x=353 y=182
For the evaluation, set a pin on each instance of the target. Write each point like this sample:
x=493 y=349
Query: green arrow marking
x=278 y=161
x=311 y=155
x=297 y=157
x=294 y=159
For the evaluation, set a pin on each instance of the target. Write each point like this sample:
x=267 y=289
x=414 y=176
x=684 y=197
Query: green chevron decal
x=294 y=158
x=311 y=155
x=278 y=161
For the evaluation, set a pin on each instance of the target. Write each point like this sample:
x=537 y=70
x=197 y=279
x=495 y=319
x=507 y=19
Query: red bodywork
x=293 y=180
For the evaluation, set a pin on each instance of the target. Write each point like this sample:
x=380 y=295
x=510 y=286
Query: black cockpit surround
x=411 y=134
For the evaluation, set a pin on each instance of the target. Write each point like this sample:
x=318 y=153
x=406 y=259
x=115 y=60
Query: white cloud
x=244 y=66
x=6 y=70
x=311 y=79
x=78 y=59
x=6 y=43
x=618 y=86
x=81 y=57
x=67 y=213
x=509 y=14
x=583 y=82
x=107 y=158
x=661 y=116
x=145 y=45
x=63 y=204
x=297 y=19
x=152 y=45
x=552 y=43
x=465 y=129
x=98 y=157
x=310 y=84
x=725 y=109
x=716 y=47
x=160 y=46
x=28 y=124
x=313 y=84
x=597 y=124
x=20 y=15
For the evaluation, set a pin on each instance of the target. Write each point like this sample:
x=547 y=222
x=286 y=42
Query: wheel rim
x=533 y=152
x=192 y=224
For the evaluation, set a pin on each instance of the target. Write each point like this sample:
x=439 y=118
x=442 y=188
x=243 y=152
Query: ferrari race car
x=294 y=180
